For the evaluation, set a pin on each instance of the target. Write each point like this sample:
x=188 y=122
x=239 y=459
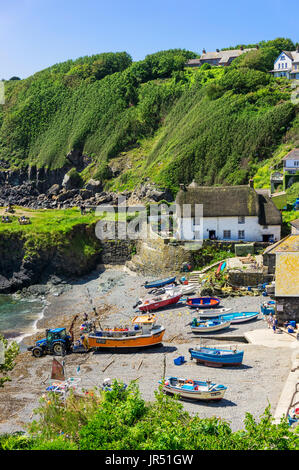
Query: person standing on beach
x=270 y=320
x=275 y=322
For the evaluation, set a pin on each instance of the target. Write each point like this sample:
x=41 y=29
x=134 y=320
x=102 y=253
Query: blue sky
x=37 y=33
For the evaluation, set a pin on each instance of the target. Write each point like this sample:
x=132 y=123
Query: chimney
x=204 y=51
x=251 y=184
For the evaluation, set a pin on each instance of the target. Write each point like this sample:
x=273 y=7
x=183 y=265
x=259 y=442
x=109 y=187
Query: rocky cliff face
x=20 y=267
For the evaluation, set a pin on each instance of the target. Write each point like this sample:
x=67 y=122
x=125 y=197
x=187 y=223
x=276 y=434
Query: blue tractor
x=56 y=342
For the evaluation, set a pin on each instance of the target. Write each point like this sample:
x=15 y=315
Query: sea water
x=19 y=316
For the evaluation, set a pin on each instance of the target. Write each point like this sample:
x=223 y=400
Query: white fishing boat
x=208 y=326
x=214 y=313
x=193 y=389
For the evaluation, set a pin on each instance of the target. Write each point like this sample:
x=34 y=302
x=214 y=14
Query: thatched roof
x=230 y=201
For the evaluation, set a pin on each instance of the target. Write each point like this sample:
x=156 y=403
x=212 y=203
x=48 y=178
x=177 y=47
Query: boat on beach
x=193 y=389
x=159 y=301
x=240 y=317
x=216 y=357
x=208 y=326
x=202 y=302
x=159 y=282
x=144 y=333
x=213 y=313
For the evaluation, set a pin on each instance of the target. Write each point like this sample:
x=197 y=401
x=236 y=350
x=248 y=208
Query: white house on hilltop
x=228 y=213
x=287 y=65
x=291 y=161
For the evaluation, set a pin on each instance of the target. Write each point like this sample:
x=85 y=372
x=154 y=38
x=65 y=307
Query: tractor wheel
x=37 y=352
x=59 y=349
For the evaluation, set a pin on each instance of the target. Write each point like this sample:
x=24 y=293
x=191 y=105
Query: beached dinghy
x=144 y=333
x=239 y=317
x=216 y=357
x=213 y=313
x=159 y=301
x=202 y=302
x=208 y=326
x=159 y=283
x=194 y=389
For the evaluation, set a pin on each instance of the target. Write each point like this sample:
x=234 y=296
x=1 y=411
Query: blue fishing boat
x=216 y=357
x=159 y=283
x=202 y=302
x=193 y=389
x=239 y=317
x=208 y=326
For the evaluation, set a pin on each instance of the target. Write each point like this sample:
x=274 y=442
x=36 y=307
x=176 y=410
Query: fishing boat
x=194 y=389
x=216 y=357
x=202 y=302
x=159 y=301
x=144 y=333
x=239 y=317
x=159 y=283
x=208 y=326
x=213 y=313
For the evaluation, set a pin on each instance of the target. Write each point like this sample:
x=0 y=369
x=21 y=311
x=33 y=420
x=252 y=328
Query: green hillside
x=151 y=119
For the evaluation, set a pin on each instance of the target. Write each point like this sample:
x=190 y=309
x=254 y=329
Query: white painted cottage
x=226 y=213
x=287 y=65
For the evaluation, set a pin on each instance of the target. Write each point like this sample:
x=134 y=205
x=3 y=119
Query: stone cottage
x=283 y=259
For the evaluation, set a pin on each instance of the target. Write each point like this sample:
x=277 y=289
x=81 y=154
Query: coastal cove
x=114 y=290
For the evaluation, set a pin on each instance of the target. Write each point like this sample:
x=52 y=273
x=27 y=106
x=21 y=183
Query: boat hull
x=159 y=304
x=214 y=313
x=203 y=302
x=138 y=341
x=216 y=357
x=203 y=393
x=240 y=318
x=211 y=328
x=160 y=283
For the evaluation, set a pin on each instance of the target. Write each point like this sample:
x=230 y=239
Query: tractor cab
x=56 y=334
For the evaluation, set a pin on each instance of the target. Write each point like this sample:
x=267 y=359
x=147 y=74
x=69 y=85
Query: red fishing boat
x=159 y=301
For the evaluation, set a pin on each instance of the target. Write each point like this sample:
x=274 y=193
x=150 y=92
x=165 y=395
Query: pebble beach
x=113 y=291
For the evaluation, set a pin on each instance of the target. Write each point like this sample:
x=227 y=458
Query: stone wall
x=117 y=251
x=287 y=308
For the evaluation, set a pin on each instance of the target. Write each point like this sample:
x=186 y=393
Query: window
x=296 y=163
x=241 y=234
x=241 y=219
x=227 y=234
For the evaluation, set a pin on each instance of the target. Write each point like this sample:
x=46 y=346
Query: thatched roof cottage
x=226 y=213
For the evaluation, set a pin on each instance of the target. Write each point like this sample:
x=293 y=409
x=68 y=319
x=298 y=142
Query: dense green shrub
x=121 y=420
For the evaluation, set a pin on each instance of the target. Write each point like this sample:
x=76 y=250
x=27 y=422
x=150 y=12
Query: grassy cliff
x=151 y=119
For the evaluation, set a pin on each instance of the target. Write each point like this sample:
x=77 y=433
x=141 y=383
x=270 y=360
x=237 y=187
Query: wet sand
x=113 y=292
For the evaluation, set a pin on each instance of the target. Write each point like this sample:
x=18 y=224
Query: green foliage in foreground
x=122 y=420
